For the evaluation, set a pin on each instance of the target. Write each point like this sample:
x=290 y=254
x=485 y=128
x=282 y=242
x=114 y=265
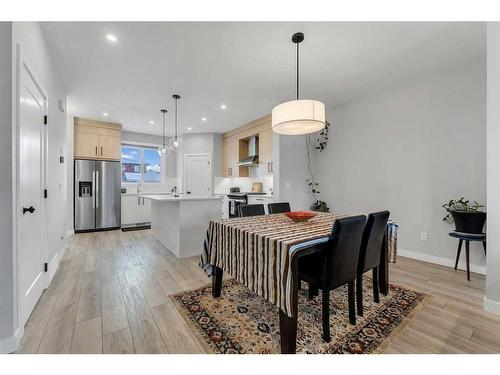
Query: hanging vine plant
x=313 y=185
x=322 y=139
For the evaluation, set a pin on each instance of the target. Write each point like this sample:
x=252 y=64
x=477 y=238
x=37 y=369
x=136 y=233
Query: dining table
x=263 y=253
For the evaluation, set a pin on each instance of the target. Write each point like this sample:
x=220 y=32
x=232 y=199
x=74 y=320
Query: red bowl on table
x=299 y=216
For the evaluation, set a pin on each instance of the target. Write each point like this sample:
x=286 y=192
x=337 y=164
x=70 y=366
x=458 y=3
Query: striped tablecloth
x=258 y=251
x=392 y=241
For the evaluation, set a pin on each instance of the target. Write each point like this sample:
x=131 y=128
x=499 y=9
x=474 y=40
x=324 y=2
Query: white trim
x=54 y=264
x=441 y=261
x=491 y=306
x=134 y=143
x=70 y=232
x=163 y=164
x=11 y=344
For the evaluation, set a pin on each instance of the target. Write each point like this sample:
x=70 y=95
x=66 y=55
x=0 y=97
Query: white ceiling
x=250 y=67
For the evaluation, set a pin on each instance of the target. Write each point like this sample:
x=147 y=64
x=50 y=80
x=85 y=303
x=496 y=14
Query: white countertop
x=181 y=197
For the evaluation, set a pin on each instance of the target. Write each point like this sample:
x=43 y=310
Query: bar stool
x=467 y=237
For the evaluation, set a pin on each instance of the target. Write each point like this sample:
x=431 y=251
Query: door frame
x=16 y=204
x=184 y=174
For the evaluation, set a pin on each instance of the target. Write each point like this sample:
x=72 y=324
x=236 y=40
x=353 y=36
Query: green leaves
x=459 y=205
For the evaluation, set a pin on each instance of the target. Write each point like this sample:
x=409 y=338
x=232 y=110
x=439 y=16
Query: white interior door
x=198 y=173
x=30 y=223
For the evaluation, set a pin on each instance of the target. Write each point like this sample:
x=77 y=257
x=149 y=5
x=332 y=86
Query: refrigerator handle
x=93 y=189
x=97 y=189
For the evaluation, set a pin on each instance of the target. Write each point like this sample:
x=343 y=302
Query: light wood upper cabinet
x=266 y=150
x=110 y=146
x=86 y=143
x=236 y=147
x=231 y=155
x=97 y=140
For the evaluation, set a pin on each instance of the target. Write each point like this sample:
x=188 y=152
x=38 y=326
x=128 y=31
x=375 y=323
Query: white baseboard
x=54 y=263
x=441 y=261
x=70 y=232
x=11 y=344
x=491 y=306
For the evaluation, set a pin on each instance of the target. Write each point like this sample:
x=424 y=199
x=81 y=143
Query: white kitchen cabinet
x=135 y=209
x=261 y=199
x=146 y=210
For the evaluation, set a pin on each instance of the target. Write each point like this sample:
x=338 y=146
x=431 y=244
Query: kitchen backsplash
x=222 y=184
x=150 y=188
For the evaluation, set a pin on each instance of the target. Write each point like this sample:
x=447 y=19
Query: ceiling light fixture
x=203 y=119
x=176 y=141
x=151 y=122
x=105 y=114
x=111 y=38
x=164 y=149
x=190 y=128
x=300 y=116
x=223 y=106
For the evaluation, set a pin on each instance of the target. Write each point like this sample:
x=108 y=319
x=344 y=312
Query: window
x=140 y=164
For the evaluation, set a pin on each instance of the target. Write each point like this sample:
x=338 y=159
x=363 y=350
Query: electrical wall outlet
x=423 y=236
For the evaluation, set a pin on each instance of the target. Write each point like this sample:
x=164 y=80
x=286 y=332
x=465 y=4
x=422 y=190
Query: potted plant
x=468 y=217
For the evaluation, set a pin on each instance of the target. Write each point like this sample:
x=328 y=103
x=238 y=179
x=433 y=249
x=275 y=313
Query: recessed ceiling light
x=111 y=38
x=151 y=122
x=223 y=106
x=105 y=114
x=203 y=119
x=190 y=128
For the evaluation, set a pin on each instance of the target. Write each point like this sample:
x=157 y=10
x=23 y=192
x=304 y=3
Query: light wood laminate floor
x=110 y=295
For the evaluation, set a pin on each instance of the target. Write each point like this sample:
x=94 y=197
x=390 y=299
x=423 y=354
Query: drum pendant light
x=176 y=141
x=164 y=149
x=300 y=116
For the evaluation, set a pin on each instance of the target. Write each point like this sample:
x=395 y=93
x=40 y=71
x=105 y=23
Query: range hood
x=253 y=154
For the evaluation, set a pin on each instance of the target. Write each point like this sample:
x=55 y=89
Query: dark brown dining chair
x=369 y=254
x=278 y=208
x=251 y=210
x=335 y=266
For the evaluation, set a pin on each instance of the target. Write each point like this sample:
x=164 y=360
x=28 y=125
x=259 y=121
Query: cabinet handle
x=96 y=150
x=268 y=167
x=272 y=166
x=101 y=150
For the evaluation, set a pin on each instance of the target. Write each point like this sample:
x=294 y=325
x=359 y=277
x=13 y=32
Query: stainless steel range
x=237 y=198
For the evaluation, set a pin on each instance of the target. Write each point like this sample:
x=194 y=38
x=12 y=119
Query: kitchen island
x=180 y=222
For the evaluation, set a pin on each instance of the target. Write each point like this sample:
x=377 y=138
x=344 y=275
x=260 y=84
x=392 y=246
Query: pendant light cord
x=175 y=118
x=298 y=71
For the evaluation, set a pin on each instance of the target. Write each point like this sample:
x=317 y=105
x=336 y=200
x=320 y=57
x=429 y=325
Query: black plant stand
x=467 y=237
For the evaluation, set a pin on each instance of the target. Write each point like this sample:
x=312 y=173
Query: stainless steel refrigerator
x=97 y=195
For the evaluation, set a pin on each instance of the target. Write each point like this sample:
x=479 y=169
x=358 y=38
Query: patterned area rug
x=242 y=322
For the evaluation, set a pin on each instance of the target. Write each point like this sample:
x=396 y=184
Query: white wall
x=410 y=149
x=6 y=177
x=290 y=171
x=492 y=298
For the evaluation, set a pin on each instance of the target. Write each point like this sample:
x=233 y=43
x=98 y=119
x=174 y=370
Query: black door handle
x=31 y=209
x=188 y=192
